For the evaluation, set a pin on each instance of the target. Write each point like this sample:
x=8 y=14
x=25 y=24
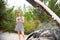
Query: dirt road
x=10 y=36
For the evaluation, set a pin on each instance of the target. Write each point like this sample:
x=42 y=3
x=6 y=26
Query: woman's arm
x=16 y=20
x=22 y=20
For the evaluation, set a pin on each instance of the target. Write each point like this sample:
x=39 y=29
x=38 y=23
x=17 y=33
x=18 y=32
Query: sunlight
x=17 y=3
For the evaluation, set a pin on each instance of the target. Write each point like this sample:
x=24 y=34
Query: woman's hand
x=20 y=21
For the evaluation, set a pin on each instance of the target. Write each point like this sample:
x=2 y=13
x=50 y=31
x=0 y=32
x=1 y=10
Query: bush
x=30 y=26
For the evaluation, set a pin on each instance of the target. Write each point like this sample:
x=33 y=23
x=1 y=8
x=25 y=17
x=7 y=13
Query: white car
x=45 y=34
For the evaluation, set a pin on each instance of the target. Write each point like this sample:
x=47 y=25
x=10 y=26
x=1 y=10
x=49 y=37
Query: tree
x=41 y=14
x=54 y=7
x=2 y=12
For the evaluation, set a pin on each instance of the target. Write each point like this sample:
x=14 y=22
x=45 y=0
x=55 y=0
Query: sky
x=58 y=1
x=17 y=3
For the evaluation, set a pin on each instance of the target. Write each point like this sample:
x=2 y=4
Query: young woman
x=19 y=27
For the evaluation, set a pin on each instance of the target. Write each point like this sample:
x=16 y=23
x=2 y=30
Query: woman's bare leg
x=18 y=35
x=22 y=34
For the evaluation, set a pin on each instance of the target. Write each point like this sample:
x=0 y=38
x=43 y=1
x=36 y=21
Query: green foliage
x=2 y=12
x=44 y=1
x=33 y=17
x=40 y=15
x=30 y=24
x=54 y=7
x=8 y=23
